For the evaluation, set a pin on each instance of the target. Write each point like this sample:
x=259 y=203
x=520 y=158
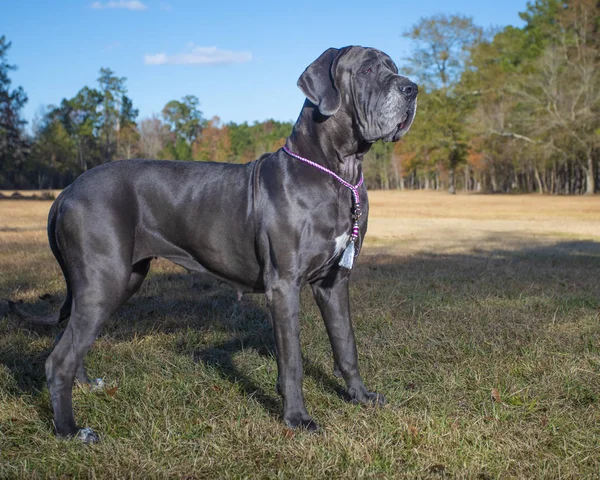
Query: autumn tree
x=214 y=144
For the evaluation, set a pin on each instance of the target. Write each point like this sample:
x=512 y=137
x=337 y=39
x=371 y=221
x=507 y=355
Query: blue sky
x=240 y=58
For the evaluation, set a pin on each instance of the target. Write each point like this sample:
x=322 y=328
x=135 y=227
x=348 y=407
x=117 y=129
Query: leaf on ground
x=111 y=392
x=495 y=395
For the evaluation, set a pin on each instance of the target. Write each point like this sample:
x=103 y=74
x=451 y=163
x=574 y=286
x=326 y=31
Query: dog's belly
x=209 y=228
x=232 y=260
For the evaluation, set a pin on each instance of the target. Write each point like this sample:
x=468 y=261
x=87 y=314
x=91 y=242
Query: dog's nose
x=410 y=90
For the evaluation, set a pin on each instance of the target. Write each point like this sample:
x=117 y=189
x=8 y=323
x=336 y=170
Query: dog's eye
x=366 y=71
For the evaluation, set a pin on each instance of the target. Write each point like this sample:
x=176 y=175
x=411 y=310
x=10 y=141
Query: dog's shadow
x=253 y=332
x=215 y=307
x=220 y=358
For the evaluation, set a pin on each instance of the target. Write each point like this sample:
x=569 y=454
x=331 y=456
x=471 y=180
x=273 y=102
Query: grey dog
x=269 y=226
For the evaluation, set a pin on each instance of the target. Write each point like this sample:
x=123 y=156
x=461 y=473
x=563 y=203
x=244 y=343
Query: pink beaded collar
x=350 y=252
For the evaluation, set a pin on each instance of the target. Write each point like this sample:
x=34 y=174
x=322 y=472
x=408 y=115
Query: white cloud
x=198 y=56
x=166 y=7
x=158 y=59
x=126 y=4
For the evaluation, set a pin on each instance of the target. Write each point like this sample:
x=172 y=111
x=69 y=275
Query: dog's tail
x=65 y=309
x=51 y=319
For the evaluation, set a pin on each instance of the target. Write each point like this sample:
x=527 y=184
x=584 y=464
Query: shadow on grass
x=183 y=302
x=523 y=263
x=566 y=271
x=26 y=369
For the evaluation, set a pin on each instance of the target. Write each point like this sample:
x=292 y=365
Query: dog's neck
x=328 y=141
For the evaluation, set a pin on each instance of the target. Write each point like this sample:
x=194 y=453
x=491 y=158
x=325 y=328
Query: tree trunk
x=452 y=186
x=493 y=180
x=590 y=177
x=530 y=175
x=515 y=181
x=571 y=182
x=538 y=180
x=396 y=173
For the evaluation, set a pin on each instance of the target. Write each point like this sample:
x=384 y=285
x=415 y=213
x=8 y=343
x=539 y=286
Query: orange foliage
x=475 y=157
x=404 y=156
x=214 y=143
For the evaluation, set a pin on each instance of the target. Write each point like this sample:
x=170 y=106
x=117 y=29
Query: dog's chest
x=341 y=241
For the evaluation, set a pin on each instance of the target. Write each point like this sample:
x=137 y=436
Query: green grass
x=191 y=373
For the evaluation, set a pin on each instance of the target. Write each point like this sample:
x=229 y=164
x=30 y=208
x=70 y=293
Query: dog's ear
x=318 y=82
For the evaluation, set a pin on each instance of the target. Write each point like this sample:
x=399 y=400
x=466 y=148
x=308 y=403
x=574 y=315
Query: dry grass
x=30 y=193
x=454 y=297
x=422 y=204
x=413 y=222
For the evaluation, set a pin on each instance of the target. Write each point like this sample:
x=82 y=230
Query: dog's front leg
x=332 y=297
x=283 y=301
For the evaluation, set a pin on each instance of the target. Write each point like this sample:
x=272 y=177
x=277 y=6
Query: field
x=477 y=316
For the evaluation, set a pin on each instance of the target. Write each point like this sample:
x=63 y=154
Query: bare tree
x=153 y=136
x=560 y=98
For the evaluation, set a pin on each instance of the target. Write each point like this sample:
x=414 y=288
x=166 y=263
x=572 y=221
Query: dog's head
x=363 y=84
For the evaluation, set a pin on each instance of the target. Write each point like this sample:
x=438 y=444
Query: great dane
x=269 y=226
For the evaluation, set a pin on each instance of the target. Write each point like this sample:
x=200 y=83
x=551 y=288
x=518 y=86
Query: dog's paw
x=364 y=397
x=301 y=421
x=87 y=436
x=93 y=385
x=97 y=385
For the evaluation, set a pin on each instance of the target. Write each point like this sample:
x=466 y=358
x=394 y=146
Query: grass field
x=477 y=316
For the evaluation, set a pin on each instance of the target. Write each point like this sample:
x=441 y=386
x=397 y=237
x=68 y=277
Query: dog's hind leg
x=138 y=275
x=97 y=294
x=81 y=374
x=65 y=361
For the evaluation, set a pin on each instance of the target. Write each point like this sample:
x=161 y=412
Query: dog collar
x=350 y=252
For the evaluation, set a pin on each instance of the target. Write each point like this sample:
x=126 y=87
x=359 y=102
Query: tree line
x=511 y=110
x=98 y=125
